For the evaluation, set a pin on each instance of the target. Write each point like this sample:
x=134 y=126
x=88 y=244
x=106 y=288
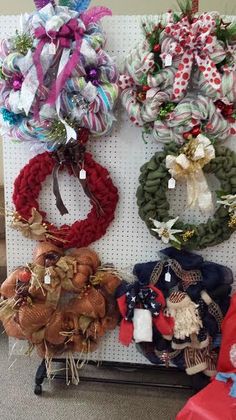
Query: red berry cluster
x=141 y=94
x=226 y=110
x=194 y=132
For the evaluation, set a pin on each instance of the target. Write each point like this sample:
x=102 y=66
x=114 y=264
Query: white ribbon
x=190 y=168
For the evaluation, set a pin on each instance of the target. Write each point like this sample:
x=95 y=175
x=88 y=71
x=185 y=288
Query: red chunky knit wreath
x=81 y=233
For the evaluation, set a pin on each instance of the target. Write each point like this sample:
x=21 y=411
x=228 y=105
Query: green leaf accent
x=185 y=7
x=64 y=3
x=176 y=245
x=225 y=32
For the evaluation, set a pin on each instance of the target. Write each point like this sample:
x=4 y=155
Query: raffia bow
x=194 y=43
x=188 y=166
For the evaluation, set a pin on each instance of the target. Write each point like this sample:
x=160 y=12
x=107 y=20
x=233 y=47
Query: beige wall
x=120 y=7
x=126 y=6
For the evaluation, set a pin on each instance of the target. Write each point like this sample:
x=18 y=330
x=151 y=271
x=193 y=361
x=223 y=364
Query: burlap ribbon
x=72 y=155
x=61 y=276
x=33 y=228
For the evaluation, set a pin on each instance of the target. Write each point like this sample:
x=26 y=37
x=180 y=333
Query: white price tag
x=171 y=183
x=47 y=279
x=168 y=277
x=52 y=48
x=168 y=60
x=82 y=174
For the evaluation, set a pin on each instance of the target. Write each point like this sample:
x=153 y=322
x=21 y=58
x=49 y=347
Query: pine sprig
x=152 y=32
x=185 y=7
x=225 y=32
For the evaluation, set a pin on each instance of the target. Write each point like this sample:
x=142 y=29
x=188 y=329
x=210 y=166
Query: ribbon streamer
x=188 y=165
x=72 y=155
x=225 y=377
x=61 y=39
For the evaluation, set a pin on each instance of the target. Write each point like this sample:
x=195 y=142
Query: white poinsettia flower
x=228 y=201
x=165 y=231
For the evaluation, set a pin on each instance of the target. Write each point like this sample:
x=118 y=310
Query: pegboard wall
x=123 y=152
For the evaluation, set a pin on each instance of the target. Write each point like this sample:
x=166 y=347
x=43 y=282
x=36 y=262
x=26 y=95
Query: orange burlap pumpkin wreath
x=33 y=307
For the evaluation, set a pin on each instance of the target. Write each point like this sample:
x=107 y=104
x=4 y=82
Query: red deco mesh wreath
x=98 y=187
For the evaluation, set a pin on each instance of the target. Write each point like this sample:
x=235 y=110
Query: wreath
x=182 y=53
x=96 y=183
x=31 y=307
x=154 y=207
x=187 y=281
x=193 y=115
x=67 y=80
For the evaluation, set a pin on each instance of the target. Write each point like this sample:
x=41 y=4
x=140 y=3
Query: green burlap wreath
x=153 y=204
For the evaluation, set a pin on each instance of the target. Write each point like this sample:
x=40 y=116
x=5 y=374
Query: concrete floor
x=87 y=401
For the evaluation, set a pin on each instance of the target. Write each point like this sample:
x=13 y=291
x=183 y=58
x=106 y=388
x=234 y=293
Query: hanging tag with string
x=82 y=172
x=167 y=274
x=47 y=277
x=52 y=47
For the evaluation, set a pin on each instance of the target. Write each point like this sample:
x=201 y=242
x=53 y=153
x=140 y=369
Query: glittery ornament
x=232 y=222
x=58 y=131
x=156 y=48
x=165 y=110
x=93 y=76
x=188 y=234
x=17 y=82
x=196 y=131
x=23 y=43
x=10 y=117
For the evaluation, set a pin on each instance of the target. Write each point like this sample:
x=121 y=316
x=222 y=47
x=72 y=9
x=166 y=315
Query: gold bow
x=32 y=228
x=61 y=276
x=188 y=166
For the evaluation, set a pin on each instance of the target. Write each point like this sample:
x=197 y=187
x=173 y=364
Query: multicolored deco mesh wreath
x=183 y=54
x=55 y=75
x=58 y=86
x=32 y=306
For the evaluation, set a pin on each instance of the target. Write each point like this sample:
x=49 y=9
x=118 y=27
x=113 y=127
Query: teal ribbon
x=224 y=377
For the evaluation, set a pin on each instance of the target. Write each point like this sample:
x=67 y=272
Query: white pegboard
x=123 y=152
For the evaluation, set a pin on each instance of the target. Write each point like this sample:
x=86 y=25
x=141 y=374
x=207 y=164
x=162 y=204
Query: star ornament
x=165 y=231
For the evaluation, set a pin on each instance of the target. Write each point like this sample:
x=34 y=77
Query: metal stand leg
x=41 y=374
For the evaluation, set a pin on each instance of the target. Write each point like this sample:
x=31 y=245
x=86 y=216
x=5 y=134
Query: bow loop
x=188 y=166
x=194 y=42
x=62 y=38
